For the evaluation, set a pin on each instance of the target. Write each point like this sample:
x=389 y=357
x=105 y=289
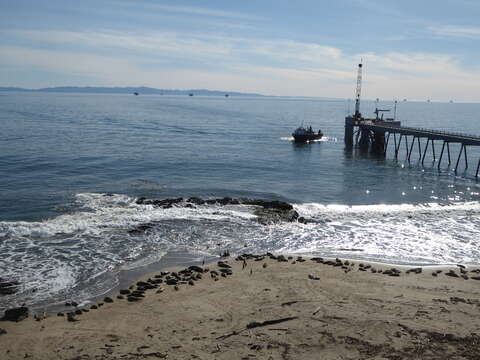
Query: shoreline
x=282 y=308
x=127 y=277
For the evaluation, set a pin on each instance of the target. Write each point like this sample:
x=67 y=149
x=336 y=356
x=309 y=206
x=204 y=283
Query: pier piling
x=374 y=134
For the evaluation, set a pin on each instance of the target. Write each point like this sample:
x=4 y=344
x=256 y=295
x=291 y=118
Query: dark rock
x=191 y=282
x=224 y=201
x=3 y=331
x=140 y=200
x=85 y=310
x=475 y=277
x=275 y=204
x=120 y=297
x=281 y=258
x=171 y=282
x=78 y=312
x=133 y=299
x=124 y=291
x=60 y=314
x=75 y=304
x=108 y=299
x=15 y=314
x=196 y=201
x=268 y=216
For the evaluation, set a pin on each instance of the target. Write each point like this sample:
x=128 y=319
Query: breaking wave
x=82 y=252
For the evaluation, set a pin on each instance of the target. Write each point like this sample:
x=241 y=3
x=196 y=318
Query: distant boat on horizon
x=191 y=94
x=135 y=93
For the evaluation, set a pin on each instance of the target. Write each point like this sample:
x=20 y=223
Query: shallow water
x=73 y=164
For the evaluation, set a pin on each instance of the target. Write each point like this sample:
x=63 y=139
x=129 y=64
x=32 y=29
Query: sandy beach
x=269 y=308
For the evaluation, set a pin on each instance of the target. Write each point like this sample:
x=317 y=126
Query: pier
x=375 y=134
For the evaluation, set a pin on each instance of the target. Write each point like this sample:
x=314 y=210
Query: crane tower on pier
x=358 y=115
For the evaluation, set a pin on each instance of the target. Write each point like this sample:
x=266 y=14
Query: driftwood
x=288 y=303
x=317 y=310
x=255 y=324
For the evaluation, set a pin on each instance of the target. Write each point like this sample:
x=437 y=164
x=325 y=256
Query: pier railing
x=378 y=135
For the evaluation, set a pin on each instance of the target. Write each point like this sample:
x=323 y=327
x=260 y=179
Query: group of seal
x=190 y=275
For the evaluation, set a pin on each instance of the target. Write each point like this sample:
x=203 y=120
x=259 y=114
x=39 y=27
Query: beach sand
x=271 y=309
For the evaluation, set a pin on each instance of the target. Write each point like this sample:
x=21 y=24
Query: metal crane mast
x=358 y=91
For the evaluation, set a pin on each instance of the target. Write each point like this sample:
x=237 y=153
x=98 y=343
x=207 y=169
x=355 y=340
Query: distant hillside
x=129 y=90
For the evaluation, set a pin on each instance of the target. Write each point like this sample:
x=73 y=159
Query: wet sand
x=270 y=309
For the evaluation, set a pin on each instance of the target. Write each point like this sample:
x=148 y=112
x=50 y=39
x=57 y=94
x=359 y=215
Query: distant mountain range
x=129 y=90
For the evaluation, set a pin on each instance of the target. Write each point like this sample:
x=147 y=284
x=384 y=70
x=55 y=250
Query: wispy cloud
x=188 y=46
x=188 y=10
x=279 y=66
x=469 y=32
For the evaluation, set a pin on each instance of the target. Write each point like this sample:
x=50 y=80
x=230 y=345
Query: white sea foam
x=85 y=248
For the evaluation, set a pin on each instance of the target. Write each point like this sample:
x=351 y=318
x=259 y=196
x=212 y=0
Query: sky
x=416 y=50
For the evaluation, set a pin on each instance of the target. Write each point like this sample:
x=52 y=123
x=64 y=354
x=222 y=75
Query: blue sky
x=411 y=49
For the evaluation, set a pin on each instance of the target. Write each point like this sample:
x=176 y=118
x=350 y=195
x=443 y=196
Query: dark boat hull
x=306 y=138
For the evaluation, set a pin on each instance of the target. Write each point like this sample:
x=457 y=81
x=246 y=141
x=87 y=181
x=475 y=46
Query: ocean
x=73 y=165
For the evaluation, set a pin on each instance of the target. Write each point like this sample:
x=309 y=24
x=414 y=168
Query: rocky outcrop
x=268 y=212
